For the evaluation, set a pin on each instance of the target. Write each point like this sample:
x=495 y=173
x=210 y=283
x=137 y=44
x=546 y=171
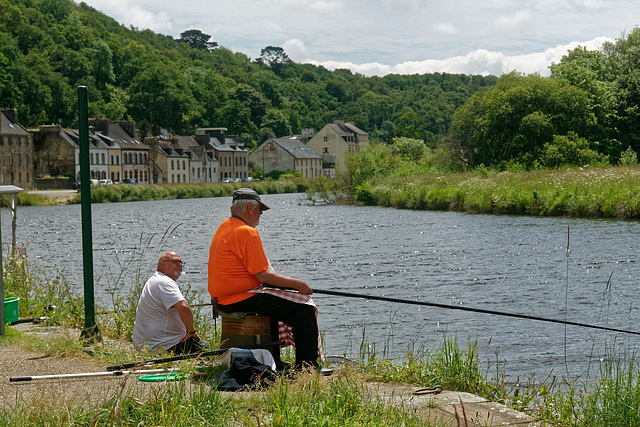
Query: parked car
x=95 y=182
x=228 y=180
x=129 y=181
x=106 y=182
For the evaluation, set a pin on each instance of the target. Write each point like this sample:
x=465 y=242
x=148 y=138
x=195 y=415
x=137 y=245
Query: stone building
x=287 y=153
x=231 y=155
x=334 y=141
x=16 y=151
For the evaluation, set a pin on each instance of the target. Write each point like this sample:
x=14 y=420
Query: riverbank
x=74 y=400
x=589 y=192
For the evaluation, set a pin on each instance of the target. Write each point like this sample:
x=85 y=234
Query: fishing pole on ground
x=89 y=374
x=191 y=356
x=475 y=310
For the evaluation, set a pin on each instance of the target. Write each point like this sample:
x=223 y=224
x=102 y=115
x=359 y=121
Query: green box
x=11 y=309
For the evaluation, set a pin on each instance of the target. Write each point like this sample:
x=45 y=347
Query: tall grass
x=610 y=397
x=585 y=192
x=137 y=193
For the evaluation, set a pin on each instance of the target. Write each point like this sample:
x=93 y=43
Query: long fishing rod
x=89 y=374
x=190 y=356
x=475 y=310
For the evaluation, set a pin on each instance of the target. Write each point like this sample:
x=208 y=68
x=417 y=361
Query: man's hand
x=272 y=278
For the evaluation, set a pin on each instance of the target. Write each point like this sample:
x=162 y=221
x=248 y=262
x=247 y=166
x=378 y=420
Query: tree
x=275 y=58
x=514 y=120
x=408 y=148
x=588 y=70
x=197 y=40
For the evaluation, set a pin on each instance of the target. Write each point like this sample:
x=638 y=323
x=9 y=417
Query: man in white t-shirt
x=164 y=319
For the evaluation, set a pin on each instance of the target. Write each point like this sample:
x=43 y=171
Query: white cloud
x=480 y=61
x=296 y=50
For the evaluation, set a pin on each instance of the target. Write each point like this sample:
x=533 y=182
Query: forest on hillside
x=49 y=47
x=586 y=112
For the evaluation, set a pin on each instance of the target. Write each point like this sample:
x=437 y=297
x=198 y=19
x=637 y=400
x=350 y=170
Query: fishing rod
x=90 y=374
x=475 y=310
x=191 y=356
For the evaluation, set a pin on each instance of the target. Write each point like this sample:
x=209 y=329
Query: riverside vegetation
x=609 y=396
x=590 y=192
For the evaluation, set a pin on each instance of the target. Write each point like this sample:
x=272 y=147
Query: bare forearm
x=272 y=278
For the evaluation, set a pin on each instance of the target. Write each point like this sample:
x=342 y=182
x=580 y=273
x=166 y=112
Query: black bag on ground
x=244 y=373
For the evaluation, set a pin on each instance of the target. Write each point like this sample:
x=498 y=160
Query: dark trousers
x=301 y=318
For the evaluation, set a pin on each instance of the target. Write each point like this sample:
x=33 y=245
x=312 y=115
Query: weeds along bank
x=610 y=395
x=138 y=193
x=610 y=192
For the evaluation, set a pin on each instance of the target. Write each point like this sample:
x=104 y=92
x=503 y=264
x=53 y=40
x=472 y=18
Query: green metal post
x=90 y=332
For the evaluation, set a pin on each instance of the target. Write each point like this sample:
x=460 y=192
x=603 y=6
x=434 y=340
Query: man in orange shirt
x=237 y=264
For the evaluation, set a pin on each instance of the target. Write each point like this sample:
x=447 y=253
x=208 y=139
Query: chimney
x=100 y=125
x=129 y=126
x=10 y=113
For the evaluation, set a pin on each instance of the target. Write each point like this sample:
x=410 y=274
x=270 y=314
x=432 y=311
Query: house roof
x=117 y=134
x=7 y=127
x=296 y=148
x=341 y=128
x=73 y=136
x=229 y=144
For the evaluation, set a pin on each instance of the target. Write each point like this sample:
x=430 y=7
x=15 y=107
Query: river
x=501 y=263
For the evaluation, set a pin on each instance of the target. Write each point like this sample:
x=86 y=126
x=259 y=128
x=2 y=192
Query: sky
x=379 y=37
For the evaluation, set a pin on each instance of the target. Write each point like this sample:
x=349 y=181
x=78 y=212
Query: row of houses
x=117 y=153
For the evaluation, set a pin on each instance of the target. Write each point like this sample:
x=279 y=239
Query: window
x=184 y=178
x=19 y=178
x=172 y=165
x=20 y=162
x=184 y=165
x=324 y=139
x=103 y=160
x=18 y=142
x=91 y=158
x=178 y=178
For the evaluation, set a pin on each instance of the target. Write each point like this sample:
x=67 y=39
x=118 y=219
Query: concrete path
x=451 y=408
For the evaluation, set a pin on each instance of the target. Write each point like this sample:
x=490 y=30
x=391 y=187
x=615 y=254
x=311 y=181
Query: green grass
x=136 y=193
x=610 y=192
x=609 y=396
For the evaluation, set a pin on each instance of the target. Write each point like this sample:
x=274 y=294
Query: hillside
x=49 y=47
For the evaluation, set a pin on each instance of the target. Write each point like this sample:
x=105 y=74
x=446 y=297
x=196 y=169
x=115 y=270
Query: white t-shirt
x=157 y=324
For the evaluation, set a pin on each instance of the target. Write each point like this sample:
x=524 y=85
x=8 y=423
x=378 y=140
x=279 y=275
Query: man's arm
x=186 y=315
x=270 y=277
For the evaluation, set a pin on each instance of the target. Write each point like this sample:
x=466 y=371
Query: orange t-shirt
x=236 y=255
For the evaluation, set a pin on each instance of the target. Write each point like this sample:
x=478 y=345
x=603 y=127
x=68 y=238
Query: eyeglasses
x=175 y=261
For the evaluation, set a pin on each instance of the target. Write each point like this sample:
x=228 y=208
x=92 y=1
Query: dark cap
x=248 y=194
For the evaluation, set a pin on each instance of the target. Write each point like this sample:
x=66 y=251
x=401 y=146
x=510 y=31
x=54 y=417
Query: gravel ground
x=71 y=392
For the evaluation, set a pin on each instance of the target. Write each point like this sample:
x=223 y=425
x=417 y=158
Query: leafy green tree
x=588 y=70
x=628 y=157
x=197 y=40
x=513 y=120
x=102 y=67
x=236 y=117
x=159 y=94
x=408 y=148
x=570 y=150
x=275 y=58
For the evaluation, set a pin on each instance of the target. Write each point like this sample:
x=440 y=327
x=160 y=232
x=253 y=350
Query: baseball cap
x=247 y=193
